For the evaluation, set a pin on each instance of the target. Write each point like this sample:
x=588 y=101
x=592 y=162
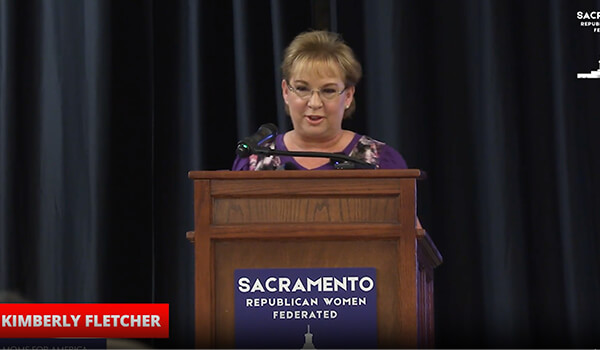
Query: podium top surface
x=307 y=174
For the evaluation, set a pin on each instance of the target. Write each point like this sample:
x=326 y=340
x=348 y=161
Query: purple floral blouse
x=361 y=147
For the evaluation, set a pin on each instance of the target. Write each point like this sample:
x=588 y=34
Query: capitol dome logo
x=308 y=342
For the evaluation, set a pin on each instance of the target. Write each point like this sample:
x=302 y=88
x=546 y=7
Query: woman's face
x=317 y=115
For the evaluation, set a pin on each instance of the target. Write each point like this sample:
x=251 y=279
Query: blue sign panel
x=306 y=308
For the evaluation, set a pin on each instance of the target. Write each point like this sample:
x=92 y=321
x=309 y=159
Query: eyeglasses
x=328 y=93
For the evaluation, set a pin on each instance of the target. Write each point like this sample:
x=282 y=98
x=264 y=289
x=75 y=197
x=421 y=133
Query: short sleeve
x=391 y=159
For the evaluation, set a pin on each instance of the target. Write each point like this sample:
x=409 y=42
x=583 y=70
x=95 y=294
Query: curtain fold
x=243 y=80
x=277 y=21
x=381 y=77
x=7 y=209
x=563 y=190
x=505 y=286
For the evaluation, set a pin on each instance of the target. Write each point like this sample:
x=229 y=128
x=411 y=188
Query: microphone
x=252 y=145
x=246 y=146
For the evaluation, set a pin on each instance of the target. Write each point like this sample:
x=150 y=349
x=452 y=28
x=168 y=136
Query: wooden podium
x=311 y=219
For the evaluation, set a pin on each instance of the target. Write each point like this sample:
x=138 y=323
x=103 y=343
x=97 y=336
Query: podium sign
x=276 y=308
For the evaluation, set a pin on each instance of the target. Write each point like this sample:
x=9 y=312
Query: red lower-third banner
x=84 y=320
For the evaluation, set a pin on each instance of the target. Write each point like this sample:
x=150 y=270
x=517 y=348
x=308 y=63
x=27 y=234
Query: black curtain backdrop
x=106 y=105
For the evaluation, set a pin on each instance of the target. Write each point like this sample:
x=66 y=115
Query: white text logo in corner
x=590 y=20
x=595 y=74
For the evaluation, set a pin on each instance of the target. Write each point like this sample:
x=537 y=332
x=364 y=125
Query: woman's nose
x=315 y=100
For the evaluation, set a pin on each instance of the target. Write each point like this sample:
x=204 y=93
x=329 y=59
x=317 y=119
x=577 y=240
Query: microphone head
x=273 y=129
x=243 y=150
x=246 y=146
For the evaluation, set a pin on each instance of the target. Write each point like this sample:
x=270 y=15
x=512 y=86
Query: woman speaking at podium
x=320 y=74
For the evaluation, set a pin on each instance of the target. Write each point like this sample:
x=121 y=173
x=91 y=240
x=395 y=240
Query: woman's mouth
x=314 y=119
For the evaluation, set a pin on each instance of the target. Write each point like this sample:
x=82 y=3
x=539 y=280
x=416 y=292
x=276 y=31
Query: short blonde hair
x=316 y=48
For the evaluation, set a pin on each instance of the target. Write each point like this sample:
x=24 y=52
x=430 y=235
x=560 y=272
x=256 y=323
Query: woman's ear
x=285 y=92
x=349 y=95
